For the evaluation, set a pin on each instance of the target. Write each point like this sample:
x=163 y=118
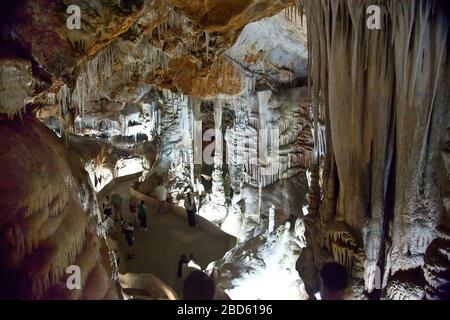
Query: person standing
x=128 y=230
x=142 y=215
x=200 y=192
x=191 y=209
x=107 y=207
x=160 y=193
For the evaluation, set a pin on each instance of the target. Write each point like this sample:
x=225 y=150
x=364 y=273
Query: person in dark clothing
x=107 y=207
x=191 y=209
x=142 y=215
x=198 y=286
x=333 y=281
x=181 y=261
x=128 y=230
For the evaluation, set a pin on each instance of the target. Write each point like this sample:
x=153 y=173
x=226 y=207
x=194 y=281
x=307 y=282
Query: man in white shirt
x=160 y=193
x=191 y=209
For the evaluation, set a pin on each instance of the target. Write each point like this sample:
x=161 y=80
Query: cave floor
x=158 y=250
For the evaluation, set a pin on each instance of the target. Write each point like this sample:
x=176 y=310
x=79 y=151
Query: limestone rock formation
x=261 y=268
x=48 y=219
x=16 y=85
x=274 y=51
x=250 y=105
x=379 y=176
x=436 y=268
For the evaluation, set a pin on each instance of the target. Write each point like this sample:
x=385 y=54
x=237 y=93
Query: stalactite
x=64 y=99
x=293 y=13
x=190 y=148
x=346 y=60
x=80 y=95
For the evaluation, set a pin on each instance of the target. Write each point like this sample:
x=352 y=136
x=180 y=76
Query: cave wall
x=380 y=100
x=47 y=218
x=382 y=96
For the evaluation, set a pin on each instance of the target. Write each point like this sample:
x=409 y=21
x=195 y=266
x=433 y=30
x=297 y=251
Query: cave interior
x=307 y=132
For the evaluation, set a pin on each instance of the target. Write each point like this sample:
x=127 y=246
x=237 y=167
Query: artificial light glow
x=273 y=283
x=233 y=223
x=308 y=178
x=305 y=210
x=126 y=167
x=192 y=264
x=212 y=212
x=99 y=177
x=271 y=273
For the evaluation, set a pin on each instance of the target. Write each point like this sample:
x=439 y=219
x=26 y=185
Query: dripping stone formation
x=271 y=150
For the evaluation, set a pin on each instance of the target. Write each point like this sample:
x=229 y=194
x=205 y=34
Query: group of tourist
x=113 y=203
x=161 y=194
x=128 y=228
x=198 y=285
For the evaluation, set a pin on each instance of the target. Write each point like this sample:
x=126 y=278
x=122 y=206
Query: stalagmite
x=218 y=193
x=271 y=219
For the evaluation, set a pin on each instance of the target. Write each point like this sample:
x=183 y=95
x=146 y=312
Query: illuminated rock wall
x=383 y=98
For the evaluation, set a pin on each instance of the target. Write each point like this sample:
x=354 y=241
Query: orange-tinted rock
x=221 y=16
x=44 y=217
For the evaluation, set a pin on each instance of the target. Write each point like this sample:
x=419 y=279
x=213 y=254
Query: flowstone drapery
x=382 y=146
x=48 y=219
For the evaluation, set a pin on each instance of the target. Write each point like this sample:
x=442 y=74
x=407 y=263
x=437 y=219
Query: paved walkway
x=168 y=237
